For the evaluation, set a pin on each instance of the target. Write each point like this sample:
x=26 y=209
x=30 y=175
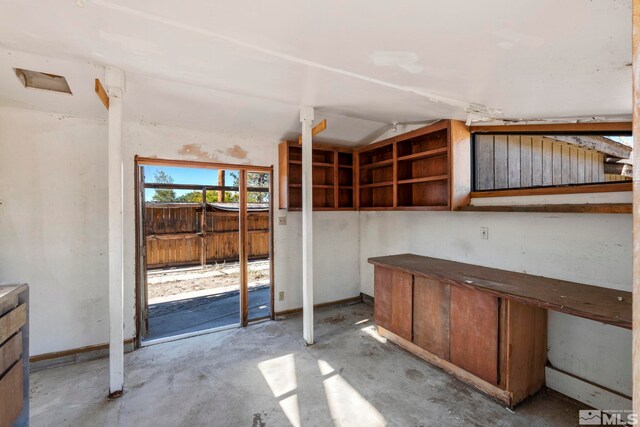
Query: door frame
x=141 y=243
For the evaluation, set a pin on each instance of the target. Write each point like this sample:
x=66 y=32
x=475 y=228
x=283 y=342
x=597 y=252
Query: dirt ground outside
x=174 y=283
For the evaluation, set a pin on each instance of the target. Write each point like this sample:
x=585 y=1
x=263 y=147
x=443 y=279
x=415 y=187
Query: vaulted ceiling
x=245 y=66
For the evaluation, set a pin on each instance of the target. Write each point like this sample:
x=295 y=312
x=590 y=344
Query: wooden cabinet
x=474 y=332
x=415 y=170
x=333 y=177
x=487 y=327
x=394 y=309
x=14 y=356
x=495 y=344
x=431 y=323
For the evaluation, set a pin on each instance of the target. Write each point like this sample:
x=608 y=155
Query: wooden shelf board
x=424 y=154
x=323 y=209
x=345 y=187
x=424 y=179
x=566 y=189
x=611 y=208
x=423 y=208
x=314 y=186
x=316 y=164
x=377 y=184
x=375 y=165
x=346 y=166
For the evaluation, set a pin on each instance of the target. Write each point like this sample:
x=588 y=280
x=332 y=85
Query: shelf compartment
x=433 y=193
x=345 y=197
x=423 y=167
x=423 y=143
x=376 y=155
x=322 y=197
x=345 y=177
x=376 y=197
x=372 y=176
x=345 y=160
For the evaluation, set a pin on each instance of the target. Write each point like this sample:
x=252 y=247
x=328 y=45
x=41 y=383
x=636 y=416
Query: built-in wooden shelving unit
x=333 y=184
x=412 y=171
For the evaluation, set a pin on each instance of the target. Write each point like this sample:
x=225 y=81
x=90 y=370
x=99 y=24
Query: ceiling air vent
x=42 y=81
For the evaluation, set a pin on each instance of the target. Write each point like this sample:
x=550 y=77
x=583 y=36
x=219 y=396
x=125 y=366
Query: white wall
x=53 y=224
x=53 y=221
x=585 y=248
x=53 y=235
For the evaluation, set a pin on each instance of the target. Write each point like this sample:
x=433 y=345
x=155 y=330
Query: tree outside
x=254 y=179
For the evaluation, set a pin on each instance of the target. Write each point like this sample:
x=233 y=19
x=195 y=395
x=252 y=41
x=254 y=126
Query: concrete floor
x=264 y=376
x=167 y=319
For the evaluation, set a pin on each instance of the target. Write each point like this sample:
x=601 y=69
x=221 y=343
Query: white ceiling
x=244 y=66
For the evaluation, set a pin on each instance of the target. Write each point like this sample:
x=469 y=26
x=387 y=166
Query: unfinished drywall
x=53 y=221
x=586 y=248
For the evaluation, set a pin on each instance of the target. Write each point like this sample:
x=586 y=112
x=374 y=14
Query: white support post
x=306 y=118
x=115 y=89
x=635 y=56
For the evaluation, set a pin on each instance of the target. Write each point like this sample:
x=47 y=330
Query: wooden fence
x=514 y=161
x=175 y=235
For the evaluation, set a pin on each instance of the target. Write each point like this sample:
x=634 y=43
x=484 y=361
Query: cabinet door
x=431 y=301
x=474 y=332
x=393 y=301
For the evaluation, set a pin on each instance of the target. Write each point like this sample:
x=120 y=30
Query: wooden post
x=306 y=118
x=203 y=230
x=636 y=205
x=115 y=83
x=221 y=184
x=243 y=247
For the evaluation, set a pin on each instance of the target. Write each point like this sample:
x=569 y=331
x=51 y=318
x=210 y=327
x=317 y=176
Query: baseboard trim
x=285 y=314
x=74 y=355
x=585 y=391
x=367 y=299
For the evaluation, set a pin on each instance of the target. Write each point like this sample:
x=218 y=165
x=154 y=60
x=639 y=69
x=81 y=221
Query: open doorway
x=204 y=240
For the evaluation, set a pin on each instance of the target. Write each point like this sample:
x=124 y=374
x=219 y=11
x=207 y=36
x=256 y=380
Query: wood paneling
x=474 y=333
x=11 y=395
x=556 y=127
x=393 y=301
x=574 y=189
x=431 y=302
x=526 y=348
x=597 y=208
x=173 y=237
x=515 y=161
x=10 y=352
x=12 y=321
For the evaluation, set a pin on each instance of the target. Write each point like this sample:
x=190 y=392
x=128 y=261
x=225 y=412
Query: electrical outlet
x=282 y=220
x=484 y=233
x=281 y=296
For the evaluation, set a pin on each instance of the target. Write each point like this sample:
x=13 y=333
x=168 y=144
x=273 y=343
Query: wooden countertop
x=6 y=290
x=591 y=302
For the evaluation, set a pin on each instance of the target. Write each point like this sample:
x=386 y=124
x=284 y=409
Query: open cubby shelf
x=411 y=171
x=332 y=177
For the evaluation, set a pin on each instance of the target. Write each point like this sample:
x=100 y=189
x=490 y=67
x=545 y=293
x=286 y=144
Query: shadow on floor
x=207 y=312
